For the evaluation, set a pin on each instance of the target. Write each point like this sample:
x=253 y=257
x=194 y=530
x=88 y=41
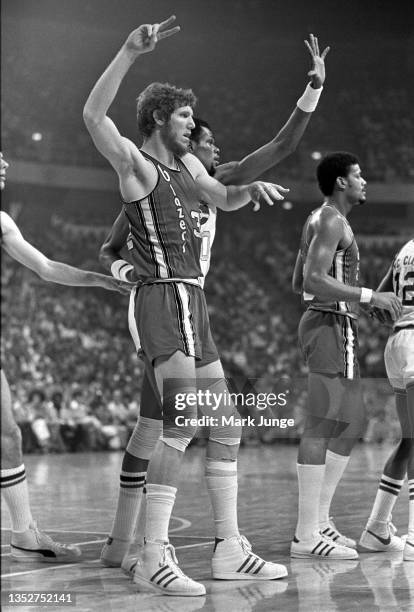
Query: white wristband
x=309 y=99
x=366 y=295
x=120 y=269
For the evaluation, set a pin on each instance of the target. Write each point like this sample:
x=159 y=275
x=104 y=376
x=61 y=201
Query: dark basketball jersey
x=164 y=241
x=344 y=268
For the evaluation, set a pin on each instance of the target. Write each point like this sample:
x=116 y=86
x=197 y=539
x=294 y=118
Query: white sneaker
x=233 y=559
x=158 y=572
x=320 y=547
x=34 y=545
x=408 y=554
x=129 y=562
x=379 y=537
x=332 y=533
x=113 y=551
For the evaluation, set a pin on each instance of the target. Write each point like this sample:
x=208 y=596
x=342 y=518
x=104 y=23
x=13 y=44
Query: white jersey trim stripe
x=132 y=324
x=349 y=346
x=150 y=227
x=186 y=321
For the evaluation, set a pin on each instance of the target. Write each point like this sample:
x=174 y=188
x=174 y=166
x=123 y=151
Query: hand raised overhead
x=144 y=38
x=317 y=73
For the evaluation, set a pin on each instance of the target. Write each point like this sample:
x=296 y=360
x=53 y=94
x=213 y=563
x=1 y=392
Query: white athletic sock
x=130 y=493
x=141 y=521
x=410 y=536
x=310 y=479
x=16 y=495
x=387 y=493
x=160 y=502
x=334 y=468
x=221 y=478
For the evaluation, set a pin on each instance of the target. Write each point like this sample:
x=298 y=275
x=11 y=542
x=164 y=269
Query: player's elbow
x=90 y=118
x=312 y=282
x=45 y=270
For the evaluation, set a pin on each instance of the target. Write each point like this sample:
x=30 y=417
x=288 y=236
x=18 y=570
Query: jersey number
x=407 y=301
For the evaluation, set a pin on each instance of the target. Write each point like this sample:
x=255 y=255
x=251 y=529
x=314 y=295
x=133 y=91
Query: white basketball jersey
x=403 y=283
x=208 y=217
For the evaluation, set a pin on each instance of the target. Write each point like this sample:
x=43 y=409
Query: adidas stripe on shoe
x=158 y=572
x=233 y=559
x=332 y=533
x=321 y=547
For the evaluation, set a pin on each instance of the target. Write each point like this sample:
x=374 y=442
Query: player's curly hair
x=332 y=166
x=164 y=98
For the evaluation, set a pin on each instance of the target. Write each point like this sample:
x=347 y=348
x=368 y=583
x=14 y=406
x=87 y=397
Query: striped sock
x=160 y=502
x=221 y=478
x=410 y=536
x=310 y=479
x=334 y=468
x=16 y=495
x=130 y=493
x=388 y=491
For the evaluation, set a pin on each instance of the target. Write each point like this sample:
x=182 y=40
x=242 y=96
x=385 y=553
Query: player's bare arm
x=137 y=175
x=111 y=251
x=297 y=277
x=385 y=285
x=23 y=252
x=230 y=197
x=329 y=233
x=287 y=139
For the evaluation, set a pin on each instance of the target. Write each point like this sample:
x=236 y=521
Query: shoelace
x=46 y=539
x=247 y=547
x=169 y=558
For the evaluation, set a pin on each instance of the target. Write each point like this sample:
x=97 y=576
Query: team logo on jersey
x=179 y=207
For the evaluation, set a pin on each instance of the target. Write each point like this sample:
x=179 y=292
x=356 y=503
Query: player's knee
x=224 y=439
x=144 y=437
x=179 y=421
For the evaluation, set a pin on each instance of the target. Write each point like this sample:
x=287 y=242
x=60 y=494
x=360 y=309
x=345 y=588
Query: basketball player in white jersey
x=114 y=256
x=399 y=363
x=28 y=543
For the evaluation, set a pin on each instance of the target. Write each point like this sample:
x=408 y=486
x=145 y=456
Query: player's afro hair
x=332 y=166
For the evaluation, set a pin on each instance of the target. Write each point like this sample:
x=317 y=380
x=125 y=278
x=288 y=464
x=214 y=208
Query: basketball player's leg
x=131 y=496
x=157 y=569
x=320 y=340
x=408 y=554
x=27 y=542
x=233 y=558
x=348 y=430
x=379 y=534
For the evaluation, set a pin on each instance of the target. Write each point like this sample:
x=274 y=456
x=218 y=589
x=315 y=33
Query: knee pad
x=179 y=417
x=144 y=438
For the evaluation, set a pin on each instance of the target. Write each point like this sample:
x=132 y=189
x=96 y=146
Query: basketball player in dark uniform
x=326 y=274
x=161 y=186
x=28 y=543
x=115 y=257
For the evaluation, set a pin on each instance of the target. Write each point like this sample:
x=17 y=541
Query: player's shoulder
x=326 y=218
x=193 y=165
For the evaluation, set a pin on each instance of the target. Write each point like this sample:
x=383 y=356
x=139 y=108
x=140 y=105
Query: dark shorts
x=171 y=317
x=329 y=343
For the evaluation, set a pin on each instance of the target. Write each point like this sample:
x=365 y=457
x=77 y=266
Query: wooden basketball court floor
x=73 y=498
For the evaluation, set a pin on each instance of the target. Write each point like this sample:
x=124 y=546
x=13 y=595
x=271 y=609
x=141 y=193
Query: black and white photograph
x=207 y=305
